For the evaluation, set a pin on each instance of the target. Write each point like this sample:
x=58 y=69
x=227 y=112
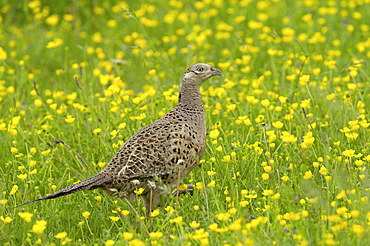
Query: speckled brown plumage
x=159 y=154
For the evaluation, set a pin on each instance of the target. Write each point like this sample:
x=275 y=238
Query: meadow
x=288 y=125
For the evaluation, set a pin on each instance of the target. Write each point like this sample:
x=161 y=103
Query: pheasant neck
x=190 y=96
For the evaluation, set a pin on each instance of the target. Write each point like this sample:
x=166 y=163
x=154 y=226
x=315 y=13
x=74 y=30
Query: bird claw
x=190 y=189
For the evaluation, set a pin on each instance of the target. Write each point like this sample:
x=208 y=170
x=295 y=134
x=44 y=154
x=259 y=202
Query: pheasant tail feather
x=90 y=183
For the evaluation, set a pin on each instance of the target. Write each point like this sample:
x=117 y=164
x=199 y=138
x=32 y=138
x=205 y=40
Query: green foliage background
x=287 y=158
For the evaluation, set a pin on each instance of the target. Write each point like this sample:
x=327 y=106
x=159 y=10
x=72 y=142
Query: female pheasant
x=160 y=154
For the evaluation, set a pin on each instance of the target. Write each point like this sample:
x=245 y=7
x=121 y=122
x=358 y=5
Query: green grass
x=289 y=163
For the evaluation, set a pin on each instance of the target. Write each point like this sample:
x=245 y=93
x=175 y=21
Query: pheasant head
x=198 y=73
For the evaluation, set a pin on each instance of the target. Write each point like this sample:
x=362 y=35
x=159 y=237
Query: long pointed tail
x=90 y=183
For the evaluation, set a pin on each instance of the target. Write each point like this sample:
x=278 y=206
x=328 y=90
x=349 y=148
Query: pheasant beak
x=215 y=72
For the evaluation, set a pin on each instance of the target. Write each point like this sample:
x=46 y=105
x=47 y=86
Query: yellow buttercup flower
x=6 y=220
x=156 y=235
x=278 y=124
x=39 y=227
x=25 y=216
x=69 y=119
x=114 y=218
x=3 y=54
x=307 y=174
x=214 y=133
x=86 y=214
x=61 y=235
x=109 y=242
x=13 y=190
